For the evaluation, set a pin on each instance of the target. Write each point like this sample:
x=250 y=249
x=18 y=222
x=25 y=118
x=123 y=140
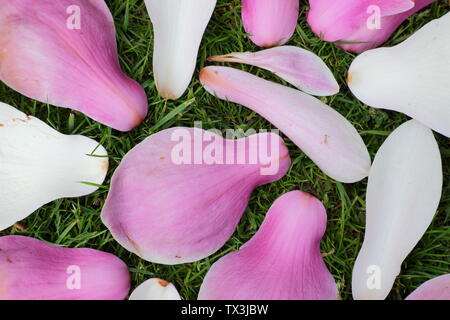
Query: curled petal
x=34 y=270
x=178 y=196
x=411 y=77
x=368 y=23
x=155 y=289
x=281 y=262
x=178 y=27
x=321 y=132
x=301 y=68
x=270 y=22
x=403 y=193
x=64 y=53
x=435 y=289
x=39 y=165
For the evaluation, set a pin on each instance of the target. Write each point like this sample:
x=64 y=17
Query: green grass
x=76 y=222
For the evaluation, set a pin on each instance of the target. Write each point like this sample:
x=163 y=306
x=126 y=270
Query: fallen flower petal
x=301 y=68
x=281 y=262
x=318 y=130
x=39 y=165
x=34 y=270
x=435 y=289
x=270 y=22
x=45 y=57
x=411 y=77
x=178 y=28
x=403 y=193
x=178 y=196
x=351 y=20
x=155 y=289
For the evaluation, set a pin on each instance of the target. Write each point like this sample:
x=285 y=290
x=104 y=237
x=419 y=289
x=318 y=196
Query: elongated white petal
x=301 y=68
x=155 y=289
x=39 y=165
x=412 y=77
x=403 y=193
x=178 y=27
x=320 y=131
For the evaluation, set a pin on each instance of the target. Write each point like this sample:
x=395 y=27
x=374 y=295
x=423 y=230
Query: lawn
x=76 y=222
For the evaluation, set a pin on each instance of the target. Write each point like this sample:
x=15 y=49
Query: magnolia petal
x=178 y=28
x=39 y=165
x=178 y=196
x=372 y=38
x=46 y=56
x=34 y=270
x=403 y=193
x=281 y=262
x=270 y=22
x=335 y=20
x=411 y=77
x=155 y=289
x=435 y=289
x=301 y=68
x=321 y=132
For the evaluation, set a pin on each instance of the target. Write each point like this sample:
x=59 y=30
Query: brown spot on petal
x=162 y=158
x=349 y=78
x=8 y=259
x=1 y=125
x=163 y=283
x=177 y=257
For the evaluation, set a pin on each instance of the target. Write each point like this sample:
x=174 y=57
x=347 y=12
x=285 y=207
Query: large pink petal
x=335 y=20
x=435 y=289
x=301 y=68
x=270 y=22
x=171 y=212
x=321 y=132
x=281 y=262
x=34 y=270
x=75 y=68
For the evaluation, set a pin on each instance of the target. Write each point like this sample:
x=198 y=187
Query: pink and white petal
x=435 y=289
x=301 y=68
x=34 y=270
x=336 y=20
x=270 y=22
x=281 y=262
x=75 y=68
x=318 y=130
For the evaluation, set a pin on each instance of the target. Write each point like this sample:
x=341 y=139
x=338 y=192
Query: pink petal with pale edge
x=281 y=262
x=435 y=289
x=176 y=213
x=75 y=68
x=31 y=269
x=270 y=22
x=301 y=68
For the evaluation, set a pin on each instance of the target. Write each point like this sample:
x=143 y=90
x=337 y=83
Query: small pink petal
x=281 y=262
x=435 y=289
x=270 y=22
x=171 y=202
x=44 y=59
x=335 y=20
x=34 y=270
x=301 y=68
x=321 y=132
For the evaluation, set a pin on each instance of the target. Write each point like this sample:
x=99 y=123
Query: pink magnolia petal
x=335 y=20
x=321 y=132
x=375 y=38
x=301 y=68
x=270 y=22
x=435 y=289
x=42 y=58
x=281 y=262
x=171 y=212
x=34 y=270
